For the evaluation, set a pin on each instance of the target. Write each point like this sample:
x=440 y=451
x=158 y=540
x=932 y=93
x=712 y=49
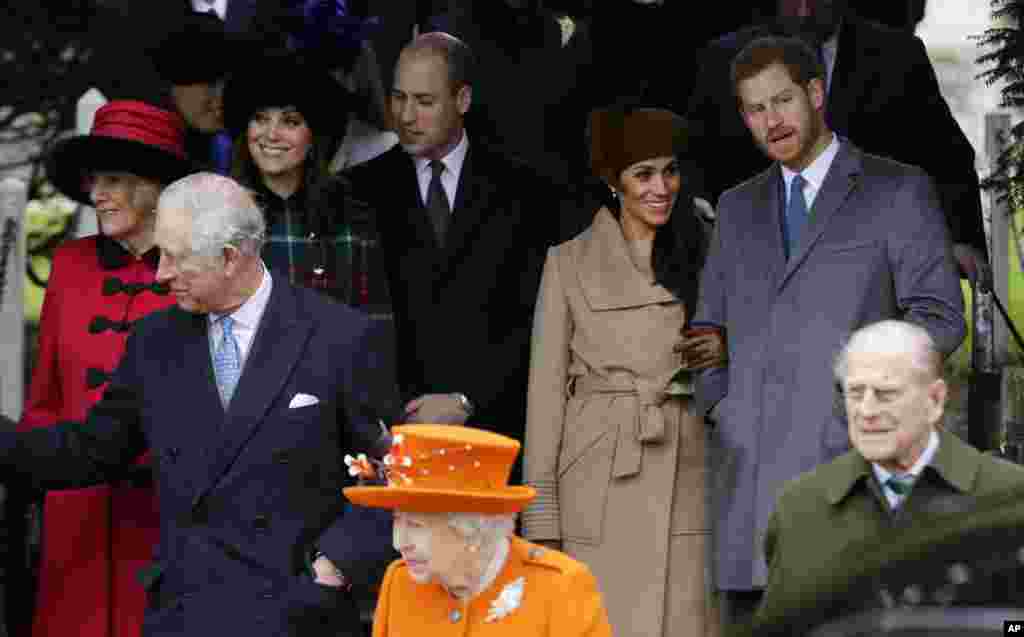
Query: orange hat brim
x=506 y=500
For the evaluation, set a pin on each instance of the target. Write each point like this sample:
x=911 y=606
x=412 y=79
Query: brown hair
x=799 y=59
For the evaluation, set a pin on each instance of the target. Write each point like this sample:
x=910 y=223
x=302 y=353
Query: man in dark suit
x=903 y=466
x=247 y=394
x=882 y=94
x=464 y=231
x=826 y=240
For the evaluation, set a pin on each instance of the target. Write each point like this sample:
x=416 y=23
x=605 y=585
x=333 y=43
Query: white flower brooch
x=507 y=601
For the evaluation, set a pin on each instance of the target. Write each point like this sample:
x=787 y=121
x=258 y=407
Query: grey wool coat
x=618 y=463
x=876 y=248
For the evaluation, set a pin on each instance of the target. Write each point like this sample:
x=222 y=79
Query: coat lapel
x=840 y=181
x=770 y=225
x=277 y=347
x=608 y=277
x=472 y=205
x=200 y=382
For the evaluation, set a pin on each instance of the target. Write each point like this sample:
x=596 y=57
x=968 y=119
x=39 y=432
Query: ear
x=937 y=394
x=816 y=91
x=464 y=98
x=232 y=259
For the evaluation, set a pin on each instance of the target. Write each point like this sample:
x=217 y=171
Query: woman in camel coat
x=613 y=445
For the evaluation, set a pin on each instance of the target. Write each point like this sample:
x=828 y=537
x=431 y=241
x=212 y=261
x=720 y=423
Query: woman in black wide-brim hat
x=95 y=540
x=286 y=114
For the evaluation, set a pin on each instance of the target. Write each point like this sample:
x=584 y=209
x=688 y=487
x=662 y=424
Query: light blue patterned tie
x=900 y=484
x=227 y=360
x=796 y=214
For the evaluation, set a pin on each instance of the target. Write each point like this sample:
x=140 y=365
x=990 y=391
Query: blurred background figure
x=96 y=540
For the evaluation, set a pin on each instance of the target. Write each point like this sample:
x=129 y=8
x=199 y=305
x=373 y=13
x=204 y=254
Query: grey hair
x=892 y=337
x=482 y=529
x=223 y=213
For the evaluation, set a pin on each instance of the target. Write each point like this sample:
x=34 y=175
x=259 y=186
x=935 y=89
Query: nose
x=659 y=185
x=408 y=112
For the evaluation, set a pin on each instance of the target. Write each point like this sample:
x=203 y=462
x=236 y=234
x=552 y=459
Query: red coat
x=94 y=540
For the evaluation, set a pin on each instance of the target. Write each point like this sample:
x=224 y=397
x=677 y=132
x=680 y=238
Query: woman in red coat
x=96 y=540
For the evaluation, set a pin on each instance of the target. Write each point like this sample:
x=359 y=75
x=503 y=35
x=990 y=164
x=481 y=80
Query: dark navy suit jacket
x=244 y=494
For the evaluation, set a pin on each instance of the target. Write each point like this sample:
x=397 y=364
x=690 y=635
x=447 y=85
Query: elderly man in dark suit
x=464 y=231
x=826 y=240
x=881 y=93
x=903 y=466
x=246 y=394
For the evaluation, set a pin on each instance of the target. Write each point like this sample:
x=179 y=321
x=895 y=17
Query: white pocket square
x=302 y=400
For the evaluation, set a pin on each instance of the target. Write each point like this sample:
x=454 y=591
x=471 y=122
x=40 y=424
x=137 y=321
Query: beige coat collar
x=609 y=279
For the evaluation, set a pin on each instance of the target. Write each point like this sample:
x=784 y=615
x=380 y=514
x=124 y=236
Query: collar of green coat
x=955 y=462
x=608 y=277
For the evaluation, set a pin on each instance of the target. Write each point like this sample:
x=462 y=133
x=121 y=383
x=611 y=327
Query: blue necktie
x=900 y=484
x=796 y=214
x=227 y=360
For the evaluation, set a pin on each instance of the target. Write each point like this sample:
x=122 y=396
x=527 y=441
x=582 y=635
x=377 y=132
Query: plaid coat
x=325 y=241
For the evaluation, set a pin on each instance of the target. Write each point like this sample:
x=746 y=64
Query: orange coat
x=560 y=599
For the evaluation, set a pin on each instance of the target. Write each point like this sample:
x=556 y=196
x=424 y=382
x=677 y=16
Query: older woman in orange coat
x=462 y=571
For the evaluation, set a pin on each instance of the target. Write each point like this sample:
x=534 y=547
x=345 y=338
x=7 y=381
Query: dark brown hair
x=799 y=59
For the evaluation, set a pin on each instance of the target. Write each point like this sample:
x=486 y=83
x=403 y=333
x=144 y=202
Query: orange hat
x=447 y=469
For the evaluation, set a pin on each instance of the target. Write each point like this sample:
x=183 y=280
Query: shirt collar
x=249 y=313
x=452 y=161
x=815 y=173
x=883 y=474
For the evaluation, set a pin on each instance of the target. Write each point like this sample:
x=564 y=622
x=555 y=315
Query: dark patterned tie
x=437 y=201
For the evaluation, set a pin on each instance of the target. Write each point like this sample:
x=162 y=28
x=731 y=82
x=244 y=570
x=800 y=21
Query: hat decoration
x=126 y=135
x=327 y=31
x=441 y=468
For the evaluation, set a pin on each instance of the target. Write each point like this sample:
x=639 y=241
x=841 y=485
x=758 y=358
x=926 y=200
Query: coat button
x=261 y=523
x=456 y=616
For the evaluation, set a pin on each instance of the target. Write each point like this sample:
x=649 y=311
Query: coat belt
x=648 y=426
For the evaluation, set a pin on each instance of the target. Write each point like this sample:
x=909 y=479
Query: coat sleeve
x=45 y=396
x=580 y=611
x=953 y=169
x=359 y=540
x=712 y=307
x=75 y=455
x=773 y=557
x=545 y=405
x=927 y=286
x=380 y=614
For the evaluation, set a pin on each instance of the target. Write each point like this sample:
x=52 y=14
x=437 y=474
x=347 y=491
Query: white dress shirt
x=247 y=318
x=883 y=475
x=220 y=7
x=814 y=174
x=450 y=177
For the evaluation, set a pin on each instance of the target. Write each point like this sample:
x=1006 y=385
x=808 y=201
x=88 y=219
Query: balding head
x=455 y=53
x=890 y=374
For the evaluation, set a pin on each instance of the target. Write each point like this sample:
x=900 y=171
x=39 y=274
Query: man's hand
x=438 y=409
x=969 y=260
x=702 y=348
x=327 y=574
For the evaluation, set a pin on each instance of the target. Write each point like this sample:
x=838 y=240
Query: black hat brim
x=72 y=160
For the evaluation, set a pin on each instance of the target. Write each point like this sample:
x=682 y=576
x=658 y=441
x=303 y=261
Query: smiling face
x=426 y=109
x=435 y=552
x=124 y=204
x=279 y=141
x=649 y=189
x=892 y=407
x=786 y=119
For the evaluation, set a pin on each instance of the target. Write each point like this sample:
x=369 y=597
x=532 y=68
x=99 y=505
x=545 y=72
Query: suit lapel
x=278 y=346
x=472 y=203
x=198 y=378
x=770 y=224
x=840 y=181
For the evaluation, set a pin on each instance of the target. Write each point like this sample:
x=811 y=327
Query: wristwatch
x=465 y=403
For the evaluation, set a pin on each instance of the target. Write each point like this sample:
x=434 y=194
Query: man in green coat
x=904 y=469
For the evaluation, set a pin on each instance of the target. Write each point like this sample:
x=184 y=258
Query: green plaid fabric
x=338 y=256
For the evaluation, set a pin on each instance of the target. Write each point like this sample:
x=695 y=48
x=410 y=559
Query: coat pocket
x=584 y=472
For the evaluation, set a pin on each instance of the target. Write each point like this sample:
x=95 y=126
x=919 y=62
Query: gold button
x=456 y=616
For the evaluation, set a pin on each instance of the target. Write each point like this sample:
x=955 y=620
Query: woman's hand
x=703 y=347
